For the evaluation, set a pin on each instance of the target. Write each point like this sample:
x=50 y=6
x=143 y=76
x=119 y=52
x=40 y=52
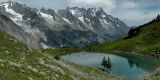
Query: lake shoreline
x=135 y=61
x=66 y=51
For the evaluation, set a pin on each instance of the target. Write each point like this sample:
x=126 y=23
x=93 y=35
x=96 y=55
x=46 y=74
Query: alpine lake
x=129 y=66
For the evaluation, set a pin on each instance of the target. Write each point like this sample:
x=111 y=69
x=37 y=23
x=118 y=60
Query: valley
x=145 y=43
x=75 y=43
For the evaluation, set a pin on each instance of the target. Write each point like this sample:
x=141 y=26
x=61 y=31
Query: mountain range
x=26 y=32
x=71 y=27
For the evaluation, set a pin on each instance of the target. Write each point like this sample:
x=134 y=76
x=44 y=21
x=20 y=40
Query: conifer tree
x=158 y=17
x=106 y=64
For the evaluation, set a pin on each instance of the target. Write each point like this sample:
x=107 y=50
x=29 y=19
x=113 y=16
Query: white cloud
x=159 y=1
x=136 y=13
x=129 y=4
x=108 y=5
x=136 y=17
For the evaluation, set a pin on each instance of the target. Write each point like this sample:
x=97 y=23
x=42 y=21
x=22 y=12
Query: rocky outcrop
x=6 y=25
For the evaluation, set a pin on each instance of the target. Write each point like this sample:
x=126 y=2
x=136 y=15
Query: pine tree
x=158 y=17
x=131 y=32
x=109 y=64
x=106 y=64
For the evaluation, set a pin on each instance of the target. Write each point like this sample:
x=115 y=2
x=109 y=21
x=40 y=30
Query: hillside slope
x=146 y=40
x=143 y=40
x=8 y=26
x=20 y=62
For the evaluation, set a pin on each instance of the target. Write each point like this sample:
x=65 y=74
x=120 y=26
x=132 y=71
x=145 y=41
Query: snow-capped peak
x=17 y=16
x=72 y=26
x=73 y=12
x=76 y=11
x=45 y=15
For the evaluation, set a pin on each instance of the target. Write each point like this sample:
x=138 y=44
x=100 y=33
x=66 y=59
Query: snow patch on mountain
x=44 y=46
x=81 y=18
x=46 y=16
x=118 y=25
x=73 y=12
x=103 y=16
x=67 y=20
x=88 y=19
x=17 y=16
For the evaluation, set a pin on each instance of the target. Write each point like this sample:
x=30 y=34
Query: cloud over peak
x=108 y=5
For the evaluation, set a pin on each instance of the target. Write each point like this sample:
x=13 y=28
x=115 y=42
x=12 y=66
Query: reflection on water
x=130 y=66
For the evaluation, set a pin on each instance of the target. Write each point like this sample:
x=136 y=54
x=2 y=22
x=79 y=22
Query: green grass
x=19 y=62
x=60 y=51
x=147 y=40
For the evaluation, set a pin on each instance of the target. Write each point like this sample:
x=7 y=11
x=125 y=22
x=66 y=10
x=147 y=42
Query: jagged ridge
x=72 y=27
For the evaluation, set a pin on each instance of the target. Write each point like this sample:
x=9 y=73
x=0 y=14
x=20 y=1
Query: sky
x=132 y=12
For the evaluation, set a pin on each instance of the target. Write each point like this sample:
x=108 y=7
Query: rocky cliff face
x=72 y=27
x=11 y=28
